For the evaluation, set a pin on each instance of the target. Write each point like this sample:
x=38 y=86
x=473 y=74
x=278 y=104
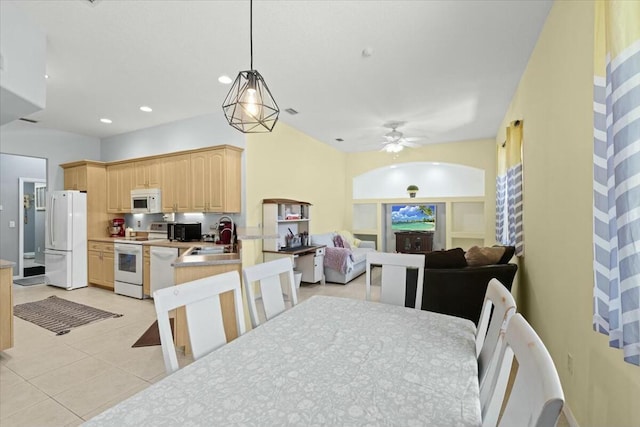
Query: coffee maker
x=116 y=227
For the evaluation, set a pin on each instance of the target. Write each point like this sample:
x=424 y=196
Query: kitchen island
x=6 y=304
x=193 y=265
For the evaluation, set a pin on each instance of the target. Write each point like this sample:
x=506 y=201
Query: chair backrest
x=268 y=275
x=536 y=398
x=201 y=300
x=394 y=276
x=497 y=309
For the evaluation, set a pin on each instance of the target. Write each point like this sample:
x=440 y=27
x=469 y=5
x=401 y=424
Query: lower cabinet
x=146 y=271
x=101 y=264
x=6 y=308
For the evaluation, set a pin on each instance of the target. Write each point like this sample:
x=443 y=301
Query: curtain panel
x=509 y=230
x=616 y=175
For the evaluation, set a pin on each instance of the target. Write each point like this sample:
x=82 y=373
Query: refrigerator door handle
x=51 y=219
x=48 y=252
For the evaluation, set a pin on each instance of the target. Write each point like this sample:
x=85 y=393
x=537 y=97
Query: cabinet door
x=146 y=272
x=176 y=179
x=95 y=268
x=125 y=184
x=112 y=189
x=147 y=174
x=108 y=269
x=232 y=186
x=207 y=181
x=182 y=183
x=75 y=178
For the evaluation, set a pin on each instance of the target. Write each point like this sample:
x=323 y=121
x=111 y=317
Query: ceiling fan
x=395 y=141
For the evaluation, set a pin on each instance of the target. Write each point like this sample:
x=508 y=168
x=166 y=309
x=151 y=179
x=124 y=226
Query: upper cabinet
x=147 y=174
x=119 y=185
x=75 y=178
x=176 y=183
x=202 y=180
x=90 y=176
x=215 y=179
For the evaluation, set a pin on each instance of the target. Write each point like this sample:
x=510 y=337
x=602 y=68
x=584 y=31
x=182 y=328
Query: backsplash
x=141 y=222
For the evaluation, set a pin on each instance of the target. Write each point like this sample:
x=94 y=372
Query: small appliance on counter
x=116 y=227
x=184 y=232
x=209 y=237
x=226 y=230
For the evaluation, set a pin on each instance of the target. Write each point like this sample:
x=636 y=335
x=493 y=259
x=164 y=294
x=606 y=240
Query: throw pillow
x=453 y=258
x=337 y=241
x=477 y=256
x=348 y=237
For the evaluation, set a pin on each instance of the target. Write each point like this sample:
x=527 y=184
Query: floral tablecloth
x=327 y=361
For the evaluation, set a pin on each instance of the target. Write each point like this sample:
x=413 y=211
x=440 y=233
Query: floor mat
x=29 y=281
x=151 y=336
x=59 y=315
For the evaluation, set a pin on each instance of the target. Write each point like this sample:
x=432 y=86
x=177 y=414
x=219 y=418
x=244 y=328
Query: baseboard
x=569 y=416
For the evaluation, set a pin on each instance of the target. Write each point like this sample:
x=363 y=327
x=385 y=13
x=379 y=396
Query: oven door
x=128 y=263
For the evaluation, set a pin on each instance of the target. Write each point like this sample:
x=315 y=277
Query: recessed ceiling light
x=146 y=109
x=224 y=79
x=105 y=120
x=46 y=76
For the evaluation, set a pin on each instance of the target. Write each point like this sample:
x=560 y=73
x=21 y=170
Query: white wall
x=196 y=132
x=433 y=180
x=54 y=145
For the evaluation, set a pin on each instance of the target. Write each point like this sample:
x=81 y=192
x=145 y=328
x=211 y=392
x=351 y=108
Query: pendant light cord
x=251 y=30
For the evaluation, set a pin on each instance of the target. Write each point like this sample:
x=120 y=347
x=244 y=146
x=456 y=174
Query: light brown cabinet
x=75 y=178
x=176 y=183
x=119 y=185
x=146 y=270
x=215 y=180
x=147 y=174
x=6 y=305
x=101 y=264
x=90 y=176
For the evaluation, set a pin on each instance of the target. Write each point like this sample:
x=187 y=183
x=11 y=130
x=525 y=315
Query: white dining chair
x=268 y=275
x=536 y=397
x=497 y=309
x=201 y=300
x=393 y=286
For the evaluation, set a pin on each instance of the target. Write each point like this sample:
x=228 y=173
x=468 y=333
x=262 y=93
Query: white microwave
x=146 y=201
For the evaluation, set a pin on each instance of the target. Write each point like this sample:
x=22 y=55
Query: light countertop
x=6 y=264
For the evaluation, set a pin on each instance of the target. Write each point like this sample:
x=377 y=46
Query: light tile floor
x=48 y=380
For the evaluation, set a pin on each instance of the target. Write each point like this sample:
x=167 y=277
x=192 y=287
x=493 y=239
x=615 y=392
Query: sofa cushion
x=360 y=254
x=477 y=256
x=322 y=239
x=453 y=258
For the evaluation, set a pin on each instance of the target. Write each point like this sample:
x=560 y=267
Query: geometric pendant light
x=249 y=105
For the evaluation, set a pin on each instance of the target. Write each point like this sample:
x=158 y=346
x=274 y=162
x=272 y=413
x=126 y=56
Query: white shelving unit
x=285 y=216
x=281 y=215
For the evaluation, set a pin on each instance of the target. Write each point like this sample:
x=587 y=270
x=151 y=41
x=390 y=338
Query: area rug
x=30 y=281
x=151 y=336
x=59 y=315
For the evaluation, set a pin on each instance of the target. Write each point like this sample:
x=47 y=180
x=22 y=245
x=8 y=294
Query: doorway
x=32 y=218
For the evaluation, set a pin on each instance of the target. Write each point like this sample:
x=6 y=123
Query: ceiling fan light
x=393 y=147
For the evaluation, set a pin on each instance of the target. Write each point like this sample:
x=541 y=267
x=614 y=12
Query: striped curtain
x=509 y=190
x=616 y=174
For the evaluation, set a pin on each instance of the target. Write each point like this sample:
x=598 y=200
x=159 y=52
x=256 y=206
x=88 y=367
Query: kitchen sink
x=207 y=250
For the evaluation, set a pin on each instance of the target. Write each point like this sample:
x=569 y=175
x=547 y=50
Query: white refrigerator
x=65 y=254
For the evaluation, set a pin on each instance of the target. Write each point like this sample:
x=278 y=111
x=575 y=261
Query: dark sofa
x=455 y=288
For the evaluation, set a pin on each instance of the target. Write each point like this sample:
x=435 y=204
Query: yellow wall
x=555 y=101
x=289 y=164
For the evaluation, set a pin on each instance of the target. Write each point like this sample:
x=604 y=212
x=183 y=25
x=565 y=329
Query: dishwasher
x=161 y=270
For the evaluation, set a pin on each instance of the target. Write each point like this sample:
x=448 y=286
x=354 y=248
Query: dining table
x=327 y=361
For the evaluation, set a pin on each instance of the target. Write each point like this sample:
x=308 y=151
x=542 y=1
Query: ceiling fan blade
x=409 y=144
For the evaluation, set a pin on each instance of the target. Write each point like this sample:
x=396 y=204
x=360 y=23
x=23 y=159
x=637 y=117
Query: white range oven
x=128 y=268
